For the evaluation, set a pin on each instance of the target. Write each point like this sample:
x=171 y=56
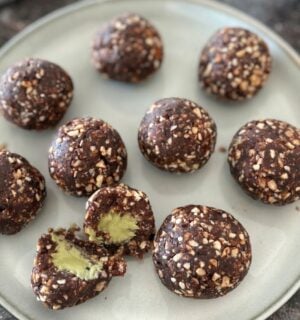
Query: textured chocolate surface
x=201 y=252
x=22 y=192
x=264 y=158
x=85 y=155
x=35 y=94
x=177 y=135
x=128 y=48
x=58 y=289
x=123 y=200
x=234 y=64
x=282 y=16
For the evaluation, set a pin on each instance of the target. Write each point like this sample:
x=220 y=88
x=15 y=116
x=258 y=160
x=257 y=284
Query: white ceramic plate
x=64 y=37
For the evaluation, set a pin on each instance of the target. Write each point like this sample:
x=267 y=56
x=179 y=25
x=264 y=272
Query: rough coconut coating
x=86 y=154
x=22 y=192
x=35 y=94
x=128 y=48
x=57 y=288
x=121 y=218
x=234 y=64
x=201 y=252
x=264 y=159
x=177 y=135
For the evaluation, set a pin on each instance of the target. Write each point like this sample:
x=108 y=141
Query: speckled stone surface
x=282 y=16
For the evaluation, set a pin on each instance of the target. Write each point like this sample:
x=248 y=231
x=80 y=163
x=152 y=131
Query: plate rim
x=64 y=11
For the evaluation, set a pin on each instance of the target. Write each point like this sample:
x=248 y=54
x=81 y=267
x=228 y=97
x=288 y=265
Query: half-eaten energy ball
x=121 y=218
x=68 y=271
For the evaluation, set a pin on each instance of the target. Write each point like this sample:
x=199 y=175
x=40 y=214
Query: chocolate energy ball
x=68 y=271
x=201 y=252
x=177 y=135
x=86 y=154
x=128 y=48
x=120 y=218
x=35 y=94
x=234 y=64
x=22 y=192
x=264 y=159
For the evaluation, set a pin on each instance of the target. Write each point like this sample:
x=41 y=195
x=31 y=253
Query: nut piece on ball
x=234 y=64
x=177 y=135
x=120 y=218
x=22 y=192
x=86 y=154
x=35 y=94
x=201 y=252
x=128 y=48
x=68 y=271
x=264 y=159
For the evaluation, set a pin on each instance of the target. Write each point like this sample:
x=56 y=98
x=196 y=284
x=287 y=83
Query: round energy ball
x=128 y=48
x=22 y=192
x=264 y=159
x=201 y=252
x=68 y=271
x=35 y=94
x=85 y=155
x=121 y=218
x=234 y=64
x=177 y=135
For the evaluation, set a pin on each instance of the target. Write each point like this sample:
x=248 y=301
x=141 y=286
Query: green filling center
x=69 y=258
x=120 y=228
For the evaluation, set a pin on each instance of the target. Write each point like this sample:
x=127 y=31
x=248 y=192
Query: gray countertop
x=282 y=16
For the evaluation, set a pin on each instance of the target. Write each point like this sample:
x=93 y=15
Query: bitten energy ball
x=85 y=155
x=128 y=48
x=264 y=159
x=35 y=94
x=68 y=271
x=177 y=135
x=22 y=192
x=234 y=64
x=121 y=218
x=201 y=252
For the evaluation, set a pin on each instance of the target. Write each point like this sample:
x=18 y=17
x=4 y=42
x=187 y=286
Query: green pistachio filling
x=120 y=228
x=69 y=258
